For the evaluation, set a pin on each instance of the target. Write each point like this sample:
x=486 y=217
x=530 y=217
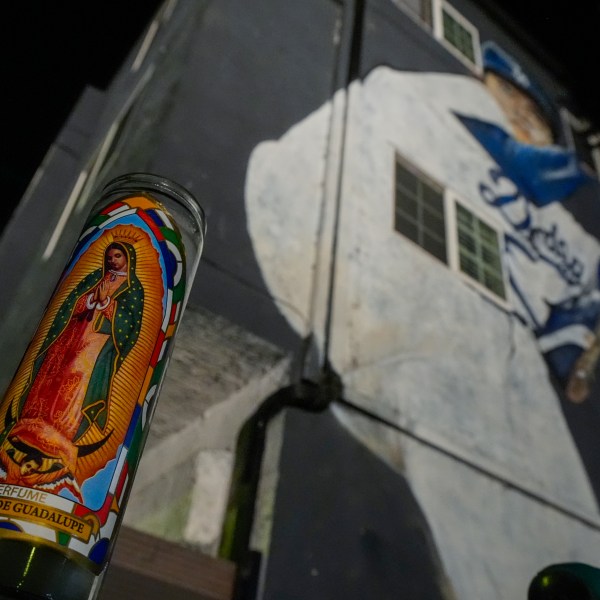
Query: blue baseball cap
x=497 y=60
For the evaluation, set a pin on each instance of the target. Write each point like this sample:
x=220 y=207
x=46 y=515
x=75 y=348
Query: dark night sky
x=569 y=31
x=53 y=49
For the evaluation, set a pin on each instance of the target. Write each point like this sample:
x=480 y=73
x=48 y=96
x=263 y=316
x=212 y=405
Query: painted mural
x=564 y=315
x=465 y=300
x=413 y=225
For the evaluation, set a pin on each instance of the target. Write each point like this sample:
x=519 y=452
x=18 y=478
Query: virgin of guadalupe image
x=70 y=403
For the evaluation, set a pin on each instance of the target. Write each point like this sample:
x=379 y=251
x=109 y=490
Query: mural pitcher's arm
x=581 y=377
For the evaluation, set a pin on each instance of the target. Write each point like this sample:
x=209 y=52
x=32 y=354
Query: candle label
x=74 y=417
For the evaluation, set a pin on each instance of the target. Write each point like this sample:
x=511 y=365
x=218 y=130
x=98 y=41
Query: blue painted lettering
x=535 y=242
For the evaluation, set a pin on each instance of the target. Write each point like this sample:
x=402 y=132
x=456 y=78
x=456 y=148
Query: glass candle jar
x=75 y=417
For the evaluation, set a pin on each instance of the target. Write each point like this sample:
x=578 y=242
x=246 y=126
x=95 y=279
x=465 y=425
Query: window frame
x=430 y=182
x=438 y=9
x=424 y=16
x=451 y=200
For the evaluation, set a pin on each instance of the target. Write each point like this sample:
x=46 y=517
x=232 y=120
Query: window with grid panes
x=479 y=251
x=458 y=35
x=420 y=211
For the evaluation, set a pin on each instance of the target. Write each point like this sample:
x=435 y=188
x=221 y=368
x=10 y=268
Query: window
x=458 y=35
x=442 y=225
x=455 y=32
x=420 y=211
x=421 y=9
x=479 y=251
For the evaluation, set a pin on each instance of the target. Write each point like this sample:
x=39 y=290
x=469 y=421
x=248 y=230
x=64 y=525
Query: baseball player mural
x=541 y=173
x=465 y=298
x=421 y=232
